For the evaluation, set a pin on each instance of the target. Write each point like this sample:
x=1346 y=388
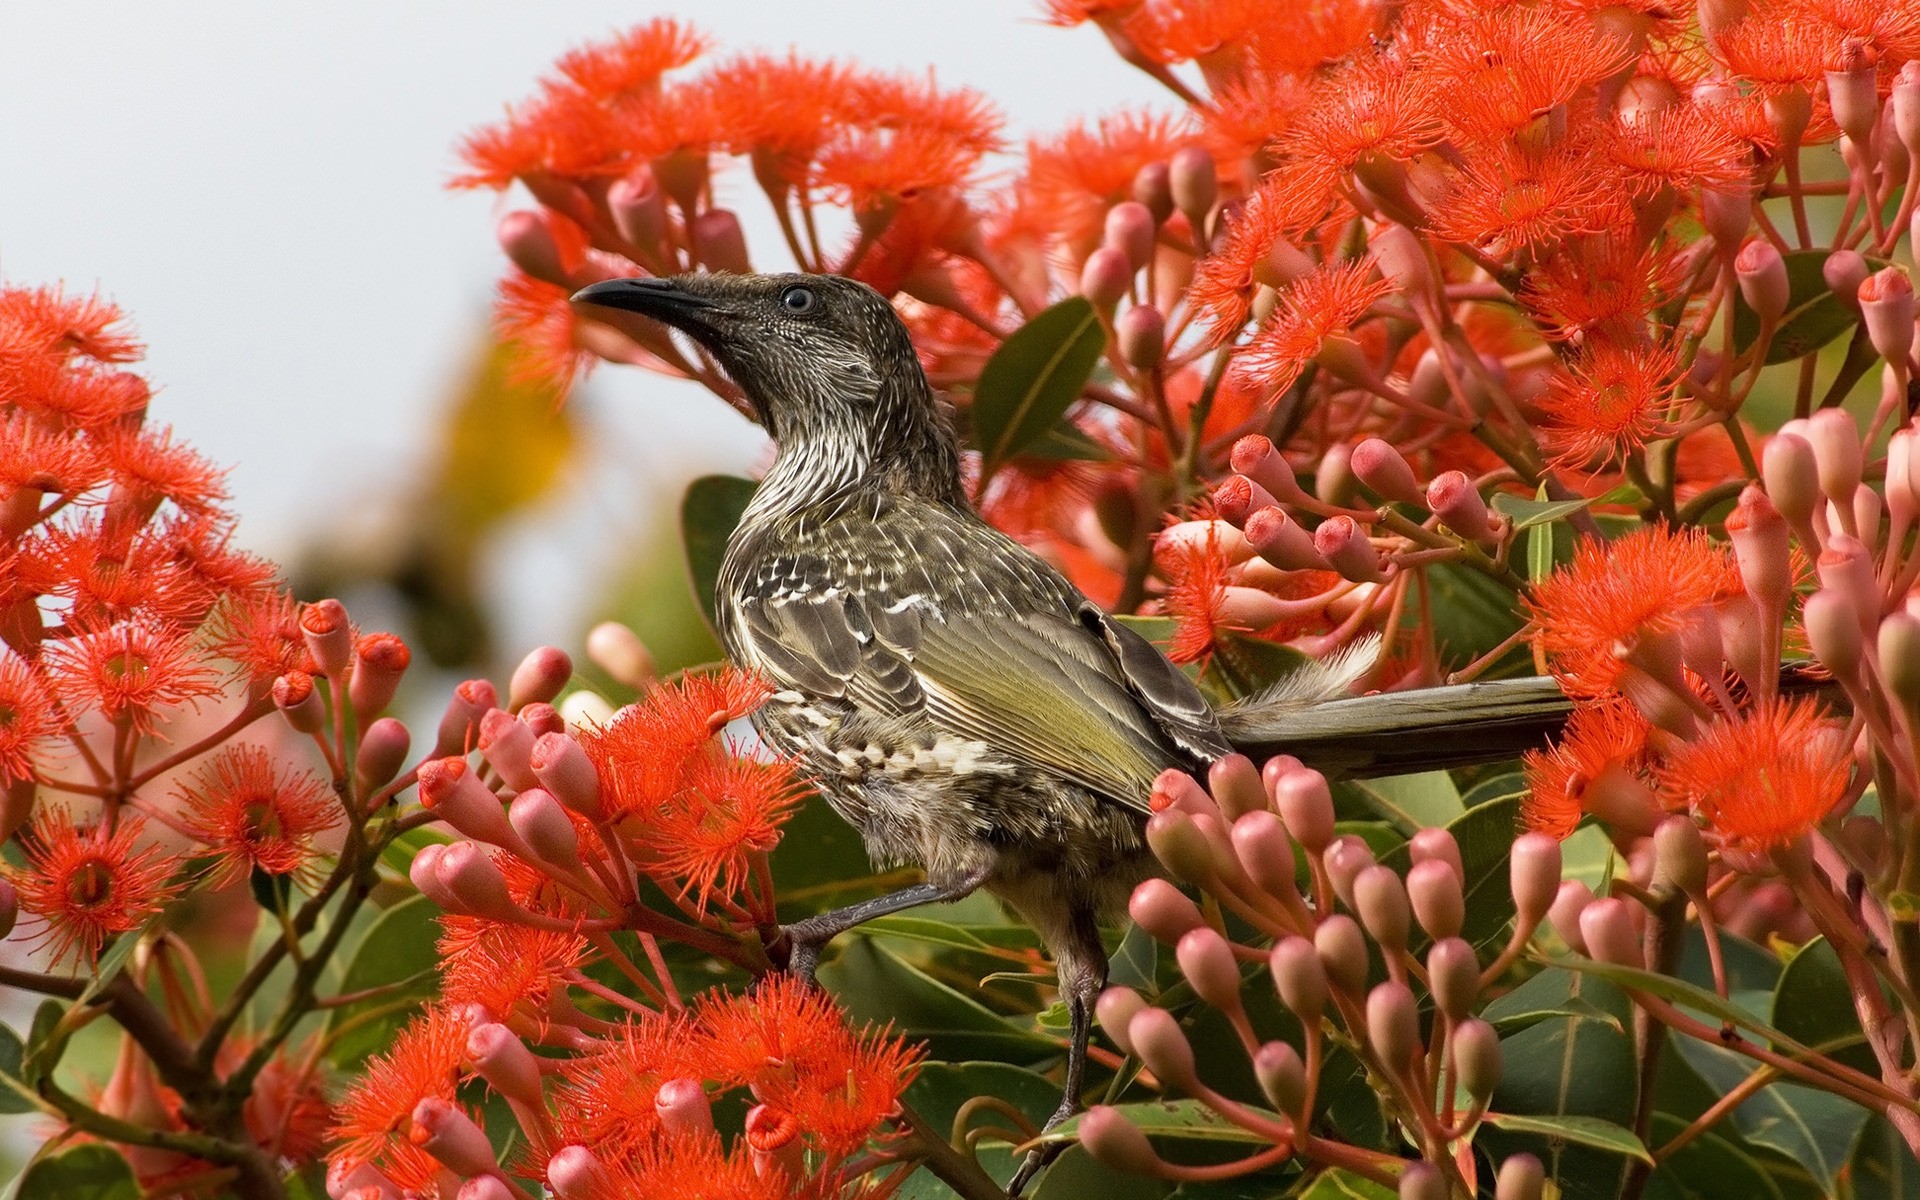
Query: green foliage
x=1032 y=379
x=1814 y=316
x=397 y=953
x=708 y=513
x=82 y=1173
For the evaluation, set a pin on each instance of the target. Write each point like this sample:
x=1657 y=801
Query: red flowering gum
x=130 y=672
x=1072 y=179
x=1612 y=401
x=1317 y=307
x=89 y=883
x=1649 y=579
x=1518 y=200
x=27 y=717
x=1497 y=72
x=644 y=755
x=606 y=1099
x=507 y=970
x=1604 y=747
x=1761 y=780
x=374 y=1117
x=255 y=816
x=733 y=809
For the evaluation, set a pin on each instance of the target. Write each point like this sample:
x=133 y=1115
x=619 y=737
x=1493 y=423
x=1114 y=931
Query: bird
x=953 y=695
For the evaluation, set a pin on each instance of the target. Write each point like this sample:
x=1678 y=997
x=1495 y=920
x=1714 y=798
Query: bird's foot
x=1039 y=1158
x=802 y=952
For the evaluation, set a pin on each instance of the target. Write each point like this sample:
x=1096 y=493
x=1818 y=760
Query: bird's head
x=813 y=353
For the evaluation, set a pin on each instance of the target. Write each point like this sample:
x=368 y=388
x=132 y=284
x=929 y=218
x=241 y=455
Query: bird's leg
x=806 y=938
x=1082 y=965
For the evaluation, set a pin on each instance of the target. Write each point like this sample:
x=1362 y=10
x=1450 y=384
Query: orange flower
x=1761 y=780
x=259 y=632
x=1613 y=401
x=628 y=66
x=27 y=717
x=1223 y=281
x=1599 y=285
x=1649 y=579
x=1196 y=591
x=1496 y=72
x=695 y=1168
x=49 y=460
x=1599 y=739
x=1514 y=200
x=645 y=754
x=254 y=816
x=732 y=809
x=778 y=109
x=1074 y=177
x=790 y=1044
x=605 y=1099
x=130 y=672
x=150 y=467
x=1684 y=147
x=46 y=321
x=87 y=884
x=372 y=1120
x=536 y=318
x=1313 y=308
x=508 y=970
x=1368 y=108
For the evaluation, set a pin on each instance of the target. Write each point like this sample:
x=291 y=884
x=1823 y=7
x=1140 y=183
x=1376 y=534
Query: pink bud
x=1680 y=854
x=528 y=241
x=543 y=719
x=379 y=660
x=383 y=749
x=539 y=678
x=1113 y=1141
x=1476 y=1057
x=460 y=723
x=1105 y=278
x=1152 y=186
x=1453 y=498
x=564 y=769
x=1382 y=468
x=1606 y=925
x=1345 y=858
x=450 y=1135
x=1283 y=1078
x=719 y=242
x=475 y=881
x=294 y=695
x=545 y=828
x=638 y=209
x=1393 y=1025
x=1792 y=478
x=1141 y=333
x=1905 y=102
x=1403 y=259
x=683 y=1108
x=1159 y=908
x=1437 y=843
x=1130 y=230
x=1844 y=272
x=1727 y=212
x=1833 y=630
x=1344 y=544
x=362 y=1182
x=424 y=871
x=1846 y=568
x=1533 y=874
x=1835 y=438
x=485 y=1187
x=1521 y=1178
x=575 y=1174
x=1207 y=963
x=1175 y=789
x=1115 y=1011
x=1255 y=457
x=453 y=792
x=1422 y=1181
x=1453 y=973
x=618 y=651
x=1235 y=785
x=1260 y=844
x=1277 y=539
x=1237 y=497
x=1886 y=308
x=1381 y=900
x=1789 y=110
x=774 y=1139
x=504 y=1061
x=1762 y=275
x=329 y=637
x=1343 y=952
x=1333 y=479
x=1160 y=1044
x=1195 y=183
x=1204 y=537
x=1853 y=96
x=1763 y=546
x=1434 y=889
x=507 y=743
x=1898 y=647
x=1300 y=978
x=1571 y=900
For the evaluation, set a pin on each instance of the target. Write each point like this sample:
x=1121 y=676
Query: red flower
x=46 y=321
x=1497 y=72
x=1612 y=401
x=1074 y=177
x=1761 y=780
x=259 y=632
x=1520 y=200
x=1196 y=590
x=255 y=816
x=1314 y=308
x=27 y=717
x=87 y=884
x=130 y=672
x=628 y=66
x=732 y=809
x=508 y=970
x=605 y=1099
x=373 y=1118
x=1599 y=738
x=148 y=467
x=646 y=753
x=535 y=317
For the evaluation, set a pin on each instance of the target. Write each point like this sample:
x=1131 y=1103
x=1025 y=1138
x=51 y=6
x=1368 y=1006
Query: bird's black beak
x=665 y=300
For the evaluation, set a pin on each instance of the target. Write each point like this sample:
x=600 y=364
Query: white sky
x=261 y=186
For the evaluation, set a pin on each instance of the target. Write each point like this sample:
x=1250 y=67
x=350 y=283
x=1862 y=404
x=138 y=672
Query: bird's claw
x=1039 y=1157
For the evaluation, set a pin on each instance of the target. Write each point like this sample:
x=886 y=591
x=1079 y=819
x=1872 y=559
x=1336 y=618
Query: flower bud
x=1533 y=874
x=1160 y=1044
x=1854 y=98
x=1141 y=335
x=1905 y=102
x=1423 y=1181
x=638 y=209
x=1301 y=978
x=298 y=701
x=1344 y=544
x=504 y=1061
x=1763 y=546
x=1606 y=925
x=584 y=709
x=1727 y=212
x=379 y=660
x=476 y=882
x=507 y=743
x=1105 y=277
x=1255 y=457
x=1159 y=908
x=1381 y=467
x=1113 y=1141
x=1844 y=272
x=1833 y=631
x=1453 y=974
x=1680 y=855
x=1277 y=538
x=1886 y=308
x=1789 y=110
x=1381 y=900
x=460 y=723
x=329 y=637
x=1152 y=186
x=545 y=828
x=1283 y=1079
x=1762 y=275
x=1521 y=1178
x=1846 y=567
x=1115 y=1010
x=543 y=719
x=1571 y=900
x=528 y=241
x=1265 y=853
x=1393 y=1025
x=1305 y=805
x=453 y=792
x=1175 y=789
x=363 y=1182
x=1434 y=889
x=1343 y=952
x=1792 y=478
x=1333 y=479
x=1195 y=183
x=575 y=1174
x=618 y=650
x=1835 y=438
x=1238 y=497
x=539 y=678
x=1403 y=260
x=1130 y=230
x=1207 y=963
x=683 y=1109
x=1899 y=650
x=1453 y=498
x=442 y=1130
x=1476 y=1058
x=382 y=752
x=485 y=1187
x=564 y=769
x=1437 y=843
x=424 y=872
x=719 y=243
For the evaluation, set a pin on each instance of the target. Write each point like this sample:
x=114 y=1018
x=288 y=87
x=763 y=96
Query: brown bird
x=955 y=697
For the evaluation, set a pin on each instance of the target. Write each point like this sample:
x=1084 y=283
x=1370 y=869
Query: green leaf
x=399 y=853
x=1485 y=837
x=1540 y=555
x=1814 y=316
x=1411 y=803
x=1514 y=1022
x=1067 y=442
x=1882 y=1168
x=938 y=1092
x=1033 y=378
x=1188 y=1120
x=14 y=1092
x=1814 y=1003
x=821 y=863
x=1075 y=1176
x=1340 y=1184
x=1689 y=995
x=1811 y=1127
x=877 y=986
x=401 y=948
x=83 y=1173
x=708 y=514
x=1003 y=941
x=1710 y=1166
x=1499 y=787
x=1580 y=1131
x=46 y=1042
x=1527 y=513
x=1471 y=613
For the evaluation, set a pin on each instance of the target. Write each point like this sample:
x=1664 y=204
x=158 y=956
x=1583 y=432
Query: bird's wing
x=946 y=622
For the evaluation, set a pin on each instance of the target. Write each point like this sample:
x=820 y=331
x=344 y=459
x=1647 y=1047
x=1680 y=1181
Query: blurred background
x=263 y=189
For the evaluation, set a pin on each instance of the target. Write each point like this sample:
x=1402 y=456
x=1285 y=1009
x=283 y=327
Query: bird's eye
x=798 y=299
